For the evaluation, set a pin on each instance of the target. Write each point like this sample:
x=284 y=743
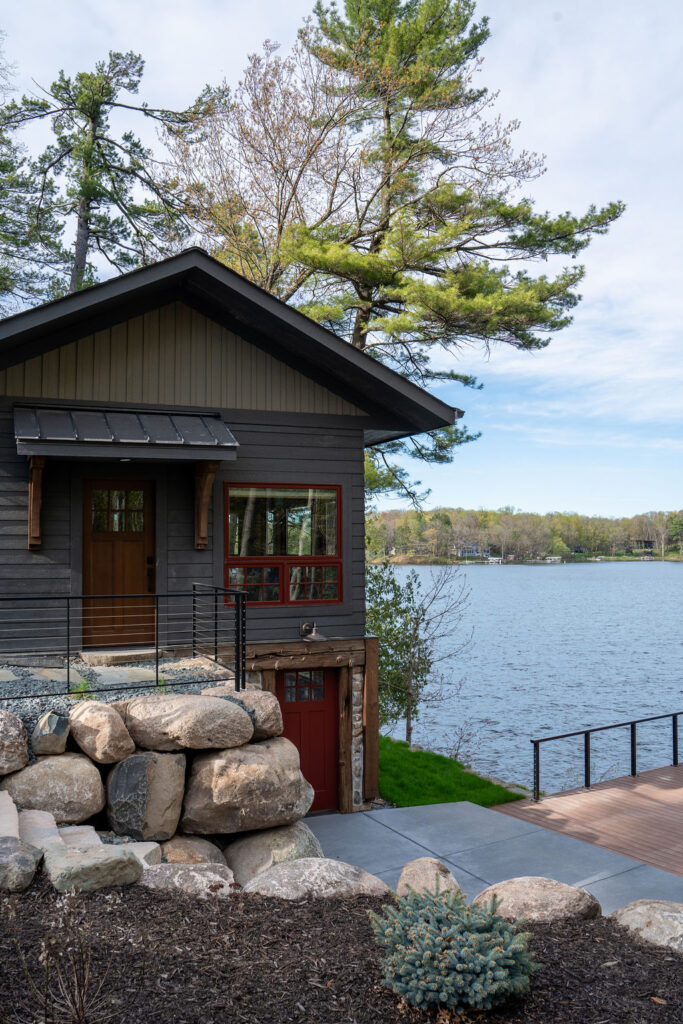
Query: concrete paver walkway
x=482 y=846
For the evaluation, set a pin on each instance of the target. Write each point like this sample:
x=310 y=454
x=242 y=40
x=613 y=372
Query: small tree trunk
x=409 y=717
x=81 y=247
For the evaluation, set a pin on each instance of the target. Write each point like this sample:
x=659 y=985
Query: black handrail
x=587 y=733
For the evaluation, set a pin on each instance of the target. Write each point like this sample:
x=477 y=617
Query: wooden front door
x=118 y=558
x=310 y=709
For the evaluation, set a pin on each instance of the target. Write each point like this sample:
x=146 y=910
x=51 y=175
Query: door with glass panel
x=118 y=559
x=310 y=712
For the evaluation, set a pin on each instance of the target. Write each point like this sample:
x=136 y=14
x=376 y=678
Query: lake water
x=562 y=647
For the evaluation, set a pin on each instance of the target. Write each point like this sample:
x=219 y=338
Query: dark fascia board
x=195 y=277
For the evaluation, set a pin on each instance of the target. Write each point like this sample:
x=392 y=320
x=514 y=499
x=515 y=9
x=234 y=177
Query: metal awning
x=122 y=434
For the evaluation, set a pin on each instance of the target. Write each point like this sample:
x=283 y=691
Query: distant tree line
x=453 y=533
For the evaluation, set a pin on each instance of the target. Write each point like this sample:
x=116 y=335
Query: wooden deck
x=639 y=817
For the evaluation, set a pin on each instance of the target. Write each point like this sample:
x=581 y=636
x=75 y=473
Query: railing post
x=674 y=724
x=68 y=644
x=156 y=639
x=634 y=759
x=194 y=620
x=587 y=760
x=240 y=641
x=215 y=624
x=537 y=769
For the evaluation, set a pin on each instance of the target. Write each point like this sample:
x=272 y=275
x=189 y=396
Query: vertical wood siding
x=171 y=356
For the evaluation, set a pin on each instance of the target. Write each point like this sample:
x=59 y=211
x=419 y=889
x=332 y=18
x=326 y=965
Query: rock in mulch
x=145 y=795
x=425 y=873
x=657 y=921
x=13 y=743
x=38 y=828
x=9 y=817
x=79 y=835
x=99 y=731
x=18 y=863
x=316 y=877
x=252 y=855
x=541 y=900
x=192 y=721
x=256 y=786
x=50 y=734
x=204 y=881
x=87 y=868
x=264 y=706
x=67 y=785
x=191 y=850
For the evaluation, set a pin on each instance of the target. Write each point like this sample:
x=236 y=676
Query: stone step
x=79 y=835
x=39 y=829
x=9 y=817
x=86 y=868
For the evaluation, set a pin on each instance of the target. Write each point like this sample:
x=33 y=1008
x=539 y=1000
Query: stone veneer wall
x=255 y=681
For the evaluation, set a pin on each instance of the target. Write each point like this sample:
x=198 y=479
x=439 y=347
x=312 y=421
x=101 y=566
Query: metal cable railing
x=206 y=622
x=587 y=733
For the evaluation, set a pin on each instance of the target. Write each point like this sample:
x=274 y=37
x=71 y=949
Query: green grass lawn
x=409 y=777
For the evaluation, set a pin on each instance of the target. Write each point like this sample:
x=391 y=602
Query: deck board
x=639 y=817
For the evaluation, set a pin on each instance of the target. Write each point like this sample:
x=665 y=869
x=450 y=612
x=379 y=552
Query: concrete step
x=9 y=817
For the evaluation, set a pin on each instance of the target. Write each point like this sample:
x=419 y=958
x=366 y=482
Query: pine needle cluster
x=443 y=953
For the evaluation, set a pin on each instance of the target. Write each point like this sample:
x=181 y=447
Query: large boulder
x=67 y=785
x=90 y=867
x=9 y=817
x=145 y=795
x=204 y=881
x=192 y=721
x=656 y=921
x=425 y=874
x=13 y=743
x=50 y=734
x=540 y=900
x=100 y=733
x=18 y=863
x=191 y=850
x=252 y=855
x=256 y=786
x=263 y=707
x=315 y=877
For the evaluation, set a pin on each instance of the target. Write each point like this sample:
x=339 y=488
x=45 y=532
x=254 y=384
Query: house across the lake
x=179 y=426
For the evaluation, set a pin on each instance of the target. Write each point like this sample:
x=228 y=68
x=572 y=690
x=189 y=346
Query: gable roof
x=396 y=407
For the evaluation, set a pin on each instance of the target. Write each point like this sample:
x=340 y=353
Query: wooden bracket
x=204 y=475
x=36 y=465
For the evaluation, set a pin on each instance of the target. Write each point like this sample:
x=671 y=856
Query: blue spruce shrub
x=443 y=953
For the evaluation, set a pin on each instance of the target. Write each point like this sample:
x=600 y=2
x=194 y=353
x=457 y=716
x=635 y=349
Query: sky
x=593 y=423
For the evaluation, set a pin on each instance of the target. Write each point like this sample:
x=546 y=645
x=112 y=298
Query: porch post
x=36 y=465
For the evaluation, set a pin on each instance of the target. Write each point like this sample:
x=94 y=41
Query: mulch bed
x=178 y=960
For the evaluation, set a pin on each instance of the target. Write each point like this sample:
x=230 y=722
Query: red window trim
x=283 y=562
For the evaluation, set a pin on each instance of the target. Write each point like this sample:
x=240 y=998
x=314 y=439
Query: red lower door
x=310 y=709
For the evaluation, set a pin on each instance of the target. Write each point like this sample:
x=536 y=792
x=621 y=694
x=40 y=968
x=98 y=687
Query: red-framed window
x=283 y=542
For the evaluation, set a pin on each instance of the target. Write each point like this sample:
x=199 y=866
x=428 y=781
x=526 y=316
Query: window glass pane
x=118 y=499
x=100 y=520
x=330 y=574
x=296 y=521
x=135 y=499
x=271 y=575
x=304 y=677
x=290 y=678
x=253 y=592
x=254 y=575
x=290 y=693
x=330 y=592
x=236 y=577
x=117 y=522
x=297 y=593
x=314 y=592
x=303 y=693
x=318 y=676
x=271 y=593
x=100 y=499
x=136 y=522
x=317 y=693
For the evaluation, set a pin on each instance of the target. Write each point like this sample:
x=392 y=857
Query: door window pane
x=135 y=499
x=136 y=522
x=100 y=499
x=117 y=522
x=100 y=520
x=118 y=499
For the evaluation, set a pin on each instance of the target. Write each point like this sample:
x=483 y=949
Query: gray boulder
x=67 y=785
x=253 y=787
x=540 y=900
x=145 y=795
x=425 y=873
x=13 y=743
x=90 y=867
x=50 y=734
x=252 y=855
x=316 y=877
x=204 y=881
x=656 y=921
x=18 y=863
x=192 y=721
x=263 y=706
x=100 y=733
